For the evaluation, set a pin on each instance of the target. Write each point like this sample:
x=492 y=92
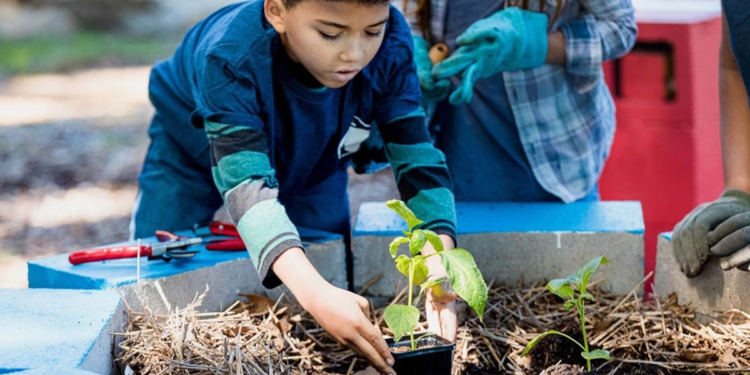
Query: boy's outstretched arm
x=440 y=306
x=341 y=313
x=425 y=185
x=419 y=168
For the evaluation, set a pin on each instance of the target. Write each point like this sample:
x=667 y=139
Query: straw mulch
x=260 y=336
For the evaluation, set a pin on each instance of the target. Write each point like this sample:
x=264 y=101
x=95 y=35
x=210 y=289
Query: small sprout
x=563 y=288
x=463 y=274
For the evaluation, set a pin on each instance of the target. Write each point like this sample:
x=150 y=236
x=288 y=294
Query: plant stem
x=569 y=338
x=582 y=314
x=411 y=288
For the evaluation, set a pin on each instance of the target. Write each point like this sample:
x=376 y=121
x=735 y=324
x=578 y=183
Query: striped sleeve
x=421 y=173
x=229 y=110
x=244 y=176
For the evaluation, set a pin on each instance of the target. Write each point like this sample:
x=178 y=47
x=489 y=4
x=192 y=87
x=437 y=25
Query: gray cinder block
x=514 y=242
x=713 y=290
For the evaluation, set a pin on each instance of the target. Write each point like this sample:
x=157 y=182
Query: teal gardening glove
x=721 y=228
x=433 y=91
x=510 y=39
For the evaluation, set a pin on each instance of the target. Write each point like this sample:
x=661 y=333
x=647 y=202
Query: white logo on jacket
x=358 y=132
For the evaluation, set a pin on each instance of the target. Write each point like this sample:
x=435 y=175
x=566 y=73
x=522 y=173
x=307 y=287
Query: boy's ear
x=275 y=14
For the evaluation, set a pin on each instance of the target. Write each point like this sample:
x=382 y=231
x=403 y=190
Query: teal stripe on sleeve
x=435 y=207
x=264 y=226
x=242 y=166
x=416 y=113
x=215 y=129
x=406 y=157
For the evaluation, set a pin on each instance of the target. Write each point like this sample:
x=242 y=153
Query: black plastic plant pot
x=434 y=356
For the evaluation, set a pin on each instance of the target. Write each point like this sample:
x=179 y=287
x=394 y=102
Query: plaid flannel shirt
x=565 y=114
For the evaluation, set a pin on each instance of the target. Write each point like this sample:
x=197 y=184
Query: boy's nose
x=354 y=51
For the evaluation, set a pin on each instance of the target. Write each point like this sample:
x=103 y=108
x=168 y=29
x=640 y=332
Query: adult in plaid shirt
x=531 y=117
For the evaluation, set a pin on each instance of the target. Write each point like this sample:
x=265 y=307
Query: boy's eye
x=374 y=34
x=329 y=36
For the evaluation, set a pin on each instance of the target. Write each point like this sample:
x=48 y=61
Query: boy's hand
x=440 y=300
x=345 y=316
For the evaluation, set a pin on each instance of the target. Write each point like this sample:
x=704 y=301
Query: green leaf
x=535 y=341
x=597 y=354
x=434 y=240
x=560 y=288
x=405 y=213
x=420 y=269
x=588 y=296
x=581 y=277
x=569 y=305
x=402 y=264
x=417 y=241
x=401 y=319
x=466 y=279
x=395 y=244
x=430 y=284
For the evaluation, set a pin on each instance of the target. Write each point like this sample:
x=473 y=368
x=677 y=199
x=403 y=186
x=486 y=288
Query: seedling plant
x=463 y=274
x=564 y=288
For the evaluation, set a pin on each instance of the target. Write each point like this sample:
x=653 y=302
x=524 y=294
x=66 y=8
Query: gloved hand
x=510 y=39
x=433 y=90
x=721 y=227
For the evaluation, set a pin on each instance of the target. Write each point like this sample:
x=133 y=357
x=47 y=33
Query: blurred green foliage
x=81 y=50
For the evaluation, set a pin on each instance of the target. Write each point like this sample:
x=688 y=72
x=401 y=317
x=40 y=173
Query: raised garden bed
x=260 y=336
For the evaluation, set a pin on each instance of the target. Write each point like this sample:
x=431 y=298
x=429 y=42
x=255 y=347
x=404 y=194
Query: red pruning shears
x=170 y=245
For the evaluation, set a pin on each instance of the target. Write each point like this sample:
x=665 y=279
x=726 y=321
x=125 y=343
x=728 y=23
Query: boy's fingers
x=440 y=295
x=372 y=351
x=364 y=305
x=371 y=334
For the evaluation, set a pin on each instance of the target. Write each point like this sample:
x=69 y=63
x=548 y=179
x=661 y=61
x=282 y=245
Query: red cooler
x=667 y=151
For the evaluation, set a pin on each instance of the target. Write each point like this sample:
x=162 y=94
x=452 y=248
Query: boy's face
x=333 y=40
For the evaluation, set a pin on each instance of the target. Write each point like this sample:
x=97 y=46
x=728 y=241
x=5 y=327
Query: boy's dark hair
x=289 y=4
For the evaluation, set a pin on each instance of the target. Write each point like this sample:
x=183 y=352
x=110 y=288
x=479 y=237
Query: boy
x=285 y=91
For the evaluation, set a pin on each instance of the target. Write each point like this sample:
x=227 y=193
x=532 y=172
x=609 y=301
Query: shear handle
x=108 y=253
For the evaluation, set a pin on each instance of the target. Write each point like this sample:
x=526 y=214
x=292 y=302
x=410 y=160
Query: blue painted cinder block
x=57 y=272
x=473 y=218
x=69 y=329
x=56 y=370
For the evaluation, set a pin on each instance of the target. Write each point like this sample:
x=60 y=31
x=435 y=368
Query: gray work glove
x=721 y=227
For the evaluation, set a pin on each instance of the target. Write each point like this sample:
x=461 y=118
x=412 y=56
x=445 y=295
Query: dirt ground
x=71 y=147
